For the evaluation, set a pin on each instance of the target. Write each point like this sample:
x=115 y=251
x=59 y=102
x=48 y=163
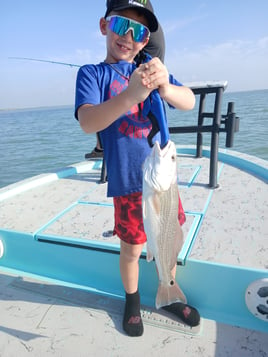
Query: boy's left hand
x=154 y=74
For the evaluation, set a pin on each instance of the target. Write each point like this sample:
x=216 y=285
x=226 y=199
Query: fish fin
x=147 y=228
x=168 y=294
x=156 y=203
x=149 y=256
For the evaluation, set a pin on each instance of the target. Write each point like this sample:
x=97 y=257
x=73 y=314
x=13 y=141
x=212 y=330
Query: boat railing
x=228 y=123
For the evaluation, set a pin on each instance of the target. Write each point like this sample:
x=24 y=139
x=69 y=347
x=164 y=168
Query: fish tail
x=168 y=294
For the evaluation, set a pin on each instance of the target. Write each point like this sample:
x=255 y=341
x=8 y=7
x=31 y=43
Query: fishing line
x=42 y=60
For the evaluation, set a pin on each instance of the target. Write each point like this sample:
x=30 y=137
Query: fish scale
x=169 y=224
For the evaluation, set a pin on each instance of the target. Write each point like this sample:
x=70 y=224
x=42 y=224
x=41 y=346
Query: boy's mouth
x=123 y=47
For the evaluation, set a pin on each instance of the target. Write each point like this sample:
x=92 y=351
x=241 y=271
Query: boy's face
x=122 y=47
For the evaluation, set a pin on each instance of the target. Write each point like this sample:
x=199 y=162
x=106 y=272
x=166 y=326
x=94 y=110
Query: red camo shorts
x=128 y=221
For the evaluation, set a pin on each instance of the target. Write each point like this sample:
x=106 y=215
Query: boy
x=155 y=48
x=108 y=98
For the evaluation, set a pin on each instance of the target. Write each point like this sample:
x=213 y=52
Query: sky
x=205 y=40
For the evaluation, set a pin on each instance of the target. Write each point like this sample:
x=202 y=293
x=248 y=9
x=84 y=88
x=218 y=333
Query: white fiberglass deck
x=55 y=229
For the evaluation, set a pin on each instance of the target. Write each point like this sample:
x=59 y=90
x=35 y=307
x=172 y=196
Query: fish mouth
x=160 y=169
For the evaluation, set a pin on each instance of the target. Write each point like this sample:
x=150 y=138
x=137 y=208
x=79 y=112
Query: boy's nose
x=129 y=33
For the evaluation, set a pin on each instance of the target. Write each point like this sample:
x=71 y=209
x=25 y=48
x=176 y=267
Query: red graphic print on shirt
x=136 y=126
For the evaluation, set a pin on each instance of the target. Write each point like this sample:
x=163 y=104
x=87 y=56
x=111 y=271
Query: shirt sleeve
x=87 y=87
x=174 y=81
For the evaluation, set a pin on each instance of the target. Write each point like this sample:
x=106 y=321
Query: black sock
x=98 y=150
x=188 y=314
x=132 y=322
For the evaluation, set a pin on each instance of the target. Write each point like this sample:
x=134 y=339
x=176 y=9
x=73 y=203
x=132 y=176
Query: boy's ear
x=103 y=26
x=146 y=41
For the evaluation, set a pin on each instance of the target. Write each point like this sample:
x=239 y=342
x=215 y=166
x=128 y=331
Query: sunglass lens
x=140 y=33
x=121 y=26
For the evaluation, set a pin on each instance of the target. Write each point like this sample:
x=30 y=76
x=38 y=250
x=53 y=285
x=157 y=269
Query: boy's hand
x=147 y=77
x=155 y=75
x=137 y=91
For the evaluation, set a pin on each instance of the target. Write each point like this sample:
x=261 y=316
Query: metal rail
x=230 y=123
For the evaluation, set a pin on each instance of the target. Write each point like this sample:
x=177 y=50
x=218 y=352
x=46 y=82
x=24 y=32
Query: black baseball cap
x=143 y=6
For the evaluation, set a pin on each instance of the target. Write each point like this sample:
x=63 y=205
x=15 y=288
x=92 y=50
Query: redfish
x=160 y=202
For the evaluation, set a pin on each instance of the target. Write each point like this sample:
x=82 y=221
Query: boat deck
x=60 y=287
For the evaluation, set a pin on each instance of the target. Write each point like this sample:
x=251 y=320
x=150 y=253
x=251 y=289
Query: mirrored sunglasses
x=121 y=25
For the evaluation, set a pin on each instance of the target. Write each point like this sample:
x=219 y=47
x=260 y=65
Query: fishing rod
x=48 y=61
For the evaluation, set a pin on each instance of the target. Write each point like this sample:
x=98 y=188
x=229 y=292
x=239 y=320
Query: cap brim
x=153 y=23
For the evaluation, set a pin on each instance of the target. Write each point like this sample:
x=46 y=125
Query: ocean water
x=42 y=140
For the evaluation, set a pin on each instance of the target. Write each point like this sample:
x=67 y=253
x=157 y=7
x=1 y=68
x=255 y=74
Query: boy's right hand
x=136 y=90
